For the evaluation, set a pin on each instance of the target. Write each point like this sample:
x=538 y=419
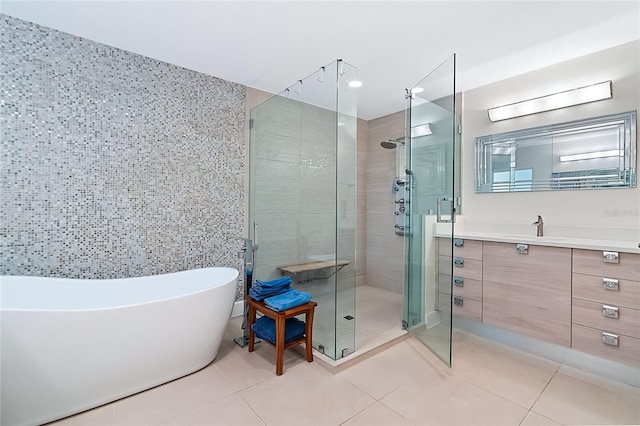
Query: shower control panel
x=399 y=189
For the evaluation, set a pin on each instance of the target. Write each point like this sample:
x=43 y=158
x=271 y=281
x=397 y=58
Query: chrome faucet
x=540 y=226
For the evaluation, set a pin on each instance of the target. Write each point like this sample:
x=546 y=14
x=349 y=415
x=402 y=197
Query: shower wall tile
x=295 y=198
x=278 y=117
x=302 y=206
x=318 y=186
x=276 y=227
x=380 y=202
x=114 y=164
x=381 y=223
x=277 y=174
x=361 y=207
x=315 y=153
x=283 y=200
x=281 y=148
x=384 y=248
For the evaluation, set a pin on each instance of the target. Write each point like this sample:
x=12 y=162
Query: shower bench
x=280 y=318
x=301 y=268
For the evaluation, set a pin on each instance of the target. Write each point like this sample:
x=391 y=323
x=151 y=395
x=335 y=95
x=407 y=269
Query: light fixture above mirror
x=581 y=95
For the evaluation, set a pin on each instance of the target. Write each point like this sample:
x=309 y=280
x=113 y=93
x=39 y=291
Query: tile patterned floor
x=489 y=384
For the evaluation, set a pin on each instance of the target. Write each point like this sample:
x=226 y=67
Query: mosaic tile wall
x=114 y=164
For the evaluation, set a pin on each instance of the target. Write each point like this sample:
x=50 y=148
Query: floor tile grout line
x=540 y=394
x=593 y=383
x=253 y=409
x=394 y=411
x=364 y=409
x=490 y=391
x=538 y=414
x=452 y=374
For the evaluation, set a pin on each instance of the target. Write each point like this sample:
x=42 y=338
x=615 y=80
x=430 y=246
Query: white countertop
x=570 y=242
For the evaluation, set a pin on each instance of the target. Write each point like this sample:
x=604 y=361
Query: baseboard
x=603 y=367
x=432 y=319
x=238 y=309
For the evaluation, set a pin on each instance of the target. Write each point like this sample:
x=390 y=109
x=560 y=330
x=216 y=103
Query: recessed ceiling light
x=355 y=83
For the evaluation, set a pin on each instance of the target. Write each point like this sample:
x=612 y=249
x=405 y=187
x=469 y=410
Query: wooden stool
x=280 y=319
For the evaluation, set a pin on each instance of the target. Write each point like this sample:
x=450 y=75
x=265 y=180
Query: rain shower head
x=392 y=143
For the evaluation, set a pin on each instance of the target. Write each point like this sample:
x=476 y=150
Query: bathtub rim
x=123 y=305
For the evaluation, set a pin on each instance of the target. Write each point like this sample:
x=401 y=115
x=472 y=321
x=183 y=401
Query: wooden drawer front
x=466 y=268
x=587 y=339
x=591 y=262
x=462 y=306
x=590 y=287
x=590 y=314
x=464 y=287
x=470 y=249
x=542 y=266
x=542 y=312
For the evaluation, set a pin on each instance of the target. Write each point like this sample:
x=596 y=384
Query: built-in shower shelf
x=301 y=268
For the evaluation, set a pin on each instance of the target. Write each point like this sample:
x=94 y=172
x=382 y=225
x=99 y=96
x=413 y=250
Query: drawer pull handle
x=610 y=311
x=458 y=301
x=458 y=261
x=611 y=257
x=458 y=242
x=522 y=248
x=610 y=339
x=457 y=281
x=610 y=284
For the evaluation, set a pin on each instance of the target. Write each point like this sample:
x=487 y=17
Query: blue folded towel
x=263 y=289
x=265 y=328
x=287 y=300
x=274 y=283
x=260 y=295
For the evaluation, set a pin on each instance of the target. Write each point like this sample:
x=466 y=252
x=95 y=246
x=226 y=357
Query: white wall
x=598 y=214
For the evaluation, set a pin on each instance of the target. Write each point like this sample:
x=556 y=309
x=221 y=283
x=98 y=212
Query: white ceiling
x=270 y=45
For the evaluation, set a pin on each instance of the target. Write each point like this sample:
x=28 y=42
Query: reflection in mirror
x=593 y=153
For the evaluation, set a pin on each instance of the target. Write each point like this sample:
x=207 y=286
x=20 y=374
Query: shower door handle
x=439 y=210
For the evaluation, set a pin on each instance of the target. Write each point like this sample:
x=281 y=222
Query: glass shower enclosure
x=302 y=199
x=432 y=139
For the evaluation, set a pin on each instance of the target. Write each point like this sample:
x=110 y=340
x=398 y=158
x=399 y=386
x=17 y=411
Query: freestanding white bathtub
x=68 y=345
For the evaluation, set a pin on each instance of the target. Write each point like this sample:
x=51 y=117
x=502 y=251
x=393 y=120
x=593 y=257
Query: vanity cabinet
x=606 y=304
x=585 y=299
x=527 y=289
x=466 y=270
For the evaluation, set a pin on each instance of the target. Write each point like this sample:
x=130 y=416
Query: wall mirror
x=593 y=153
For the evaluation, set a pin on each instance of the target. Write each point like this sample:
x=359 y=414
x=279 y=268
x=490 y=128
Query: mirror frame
x=622 y=176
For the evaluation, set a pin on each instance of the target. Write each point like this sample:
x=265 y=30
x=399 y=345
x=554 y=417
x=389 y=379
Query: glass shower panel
x=302 y=197
x=345 y=210
x=431 y=140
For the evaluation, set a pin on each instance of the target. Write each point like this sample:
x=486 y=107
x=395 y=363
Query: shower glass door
x=430 y=148
x=302 y=197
